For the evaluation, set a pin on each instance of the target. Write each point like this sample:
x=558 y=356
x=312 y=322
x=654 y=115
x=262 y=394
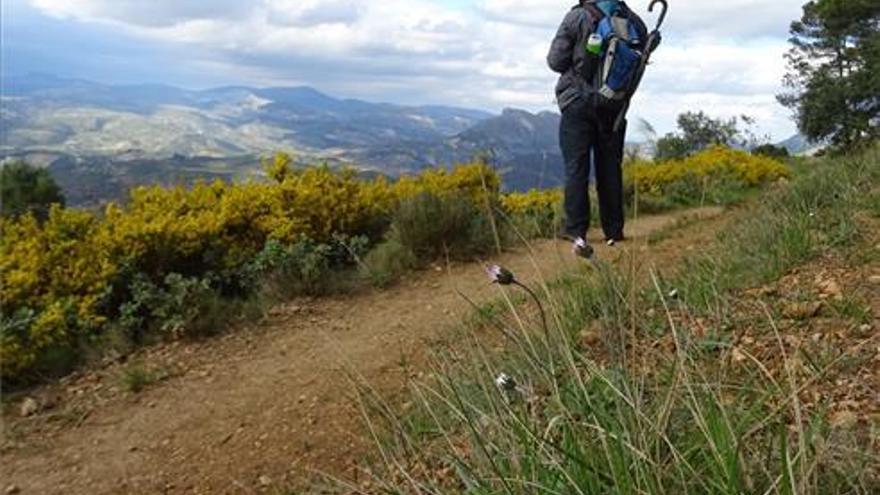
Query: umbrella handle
x=662 y=14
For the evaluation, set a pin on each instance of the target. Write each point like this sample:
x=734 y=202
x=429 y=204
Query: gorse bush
x=148 y=265
x=166 y=260
x=534 y=202
x=707 y=175
x=717 y=175
x=537 y=213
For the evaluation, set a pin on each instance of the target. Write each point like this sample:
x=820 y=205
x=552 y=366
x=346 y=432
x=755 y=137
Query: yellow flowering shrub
x=57 y=277
x=703 y=176
x=60 y=278
x=533 y=214
x=534 y=202
x=476 y=180
x=56 y=270
x=714 y=163
x=42 y=264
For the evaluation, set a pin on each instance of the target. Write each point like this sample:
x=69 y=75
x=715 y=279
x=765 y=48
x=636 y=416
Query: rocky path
x=266 y=407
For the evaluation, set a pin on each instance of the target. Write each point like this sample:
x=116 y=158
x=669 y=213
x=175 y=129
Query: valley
x=98 y=140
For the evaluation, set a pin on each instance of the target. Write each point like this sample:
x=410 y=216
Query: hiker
x=593 y=129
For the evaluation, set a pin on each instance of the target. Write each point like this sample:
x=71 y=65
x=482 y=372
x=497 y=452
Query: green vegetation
x=714 y=176
x=834 y=72
x=698 y=131
x=26 y=189
x=771 y=151
x=388 y=262
x=646 y=384
x=852 y=309
x=178 y=263
x=433 y=226
x=136 y=377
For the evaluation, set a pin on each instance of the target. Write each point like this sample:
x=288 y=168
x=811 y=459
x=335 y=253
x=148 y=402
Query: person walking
x=592 y=131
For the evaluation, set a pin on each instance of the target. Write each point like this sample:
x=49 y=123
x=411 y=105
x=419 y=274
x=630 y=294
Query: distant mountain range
x=100 y=139
x=800 y=145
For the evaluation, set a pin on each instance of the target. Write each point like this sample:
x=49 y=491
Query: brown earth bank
x=271 y=405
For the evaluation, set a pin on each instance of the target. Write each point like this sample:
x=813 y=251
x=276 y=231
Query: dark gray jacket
x=566 y=60
x=568 y=55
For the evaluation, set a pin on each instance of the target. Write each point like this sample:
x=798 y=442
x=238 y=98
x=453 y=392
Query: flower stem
x=540 y=307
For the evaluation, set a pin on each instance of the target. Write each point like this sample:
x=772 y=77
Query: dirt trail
x=260 y=408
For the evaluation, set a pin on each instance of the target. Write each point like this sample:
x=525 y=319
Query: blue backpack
x=620 y=47
x=622 y=51
x=623 y=37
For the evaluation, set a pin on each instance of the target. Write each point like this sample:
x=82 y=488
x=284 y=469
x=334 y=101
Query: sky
x=725 y=58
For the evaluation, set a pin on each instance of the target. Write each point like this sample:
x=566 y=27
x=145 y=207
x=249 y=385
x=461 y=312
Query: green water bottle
x=594 y=44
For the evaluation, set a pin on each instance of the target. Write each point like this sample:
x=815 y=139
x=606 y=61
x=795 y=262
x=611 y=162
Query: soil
x=269 y=406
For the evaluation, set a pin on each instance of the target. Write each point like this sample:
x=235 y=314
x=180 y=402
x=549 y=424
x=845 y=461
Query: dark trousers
x=585 y=132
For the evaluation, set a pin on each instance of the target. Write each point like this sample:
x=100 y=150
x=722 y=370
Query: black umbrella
x=651 y=44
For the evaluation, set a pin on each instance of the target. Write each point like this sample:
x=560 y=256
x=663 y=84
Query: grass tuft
x=137 y=377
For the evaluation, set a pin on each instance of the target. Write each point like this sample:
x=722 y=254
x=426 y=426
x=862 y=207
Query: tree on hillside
x=697 y=131
x=833 y=83
x=772 y=151
x=27 y=189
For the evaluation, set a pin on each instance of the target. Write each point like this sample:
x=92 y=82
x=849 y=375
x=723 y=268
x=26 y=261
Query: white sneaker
x=583 y=249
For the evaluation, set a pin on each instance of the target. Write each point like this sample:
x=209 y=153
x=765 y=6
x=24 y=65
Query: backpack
x=621 y=56
x=623 y=38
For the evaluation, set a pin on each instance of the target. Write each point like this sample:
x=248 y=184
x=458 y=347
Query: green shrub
x=306 y=267
x=171 y=309
x=136 y=377
x=771 y=151
x=432 y=226
x=387 y=262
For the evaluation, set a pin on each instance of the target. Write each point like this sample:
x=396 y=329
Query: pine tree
x=833 y=83
x=26 y=189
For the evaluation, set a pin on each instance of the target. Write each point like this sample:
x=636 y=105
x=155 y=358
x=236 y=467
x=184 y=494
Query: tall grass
x=662 y=401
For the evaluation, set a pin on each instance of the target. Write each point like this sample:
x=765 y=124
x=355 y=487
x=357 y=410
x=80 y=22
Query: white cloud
x=151 y=13
x=309 y=13
x=490 y=54
x=525 y=12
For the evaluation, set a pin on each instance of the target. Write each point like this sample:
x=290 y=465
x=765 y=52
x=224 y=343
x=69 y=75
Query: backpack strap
x=594 y=12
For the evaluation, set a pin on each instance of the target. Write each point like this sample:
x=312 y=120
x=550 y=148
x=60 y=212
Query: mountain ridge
x=75 y=123
x=100 y=139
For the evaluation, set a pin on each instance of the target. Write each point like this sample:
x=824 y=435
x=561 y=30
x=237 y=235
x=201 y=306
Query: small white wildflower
x=500 y=275
x=506 y=383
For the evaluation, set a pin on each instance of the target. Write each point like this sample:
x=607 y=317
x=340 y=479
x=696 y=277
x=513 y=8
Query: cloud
x=536 y=13
x=488 y=53
x=736 y=18
x=312 y=13
x=146 y=13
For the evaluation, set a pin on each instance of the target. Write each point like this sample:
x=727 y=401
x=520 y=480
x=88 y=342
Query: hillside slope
x=270 y=407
